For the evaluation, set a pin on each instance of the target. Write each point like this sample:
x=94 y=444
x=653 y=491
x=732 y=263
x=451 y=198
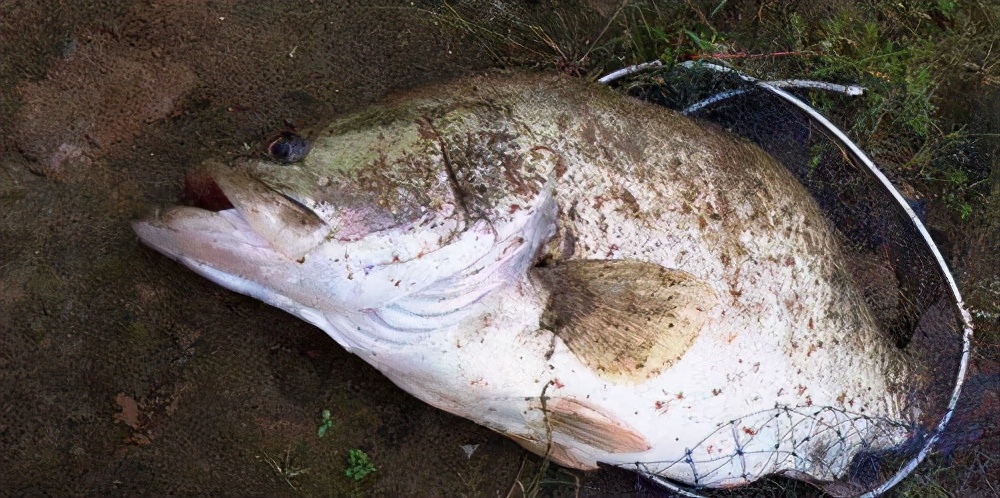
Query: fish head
x=410 y=211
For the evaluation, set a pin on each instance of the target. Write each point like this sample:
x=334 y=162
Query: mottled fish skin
x=599 y=279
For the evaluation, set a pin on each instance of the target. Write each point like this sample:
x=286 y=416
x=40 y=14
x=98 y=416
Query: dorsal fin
x=627 y=320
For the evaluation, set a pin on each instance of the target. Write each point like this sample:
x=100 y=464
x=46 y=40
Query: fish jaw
x=222 y=247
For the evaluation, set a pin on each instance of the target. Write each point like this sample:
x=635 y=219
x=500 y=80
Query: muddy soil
x=122 y=372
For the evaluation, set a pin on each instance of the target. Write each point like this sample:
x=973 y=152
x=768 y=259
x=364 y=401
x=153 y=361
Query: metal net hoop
x=928 y=319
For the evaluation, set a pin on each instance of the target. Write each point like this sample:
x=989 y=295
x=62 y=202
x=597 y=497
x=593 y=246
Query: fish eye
x=288 y=148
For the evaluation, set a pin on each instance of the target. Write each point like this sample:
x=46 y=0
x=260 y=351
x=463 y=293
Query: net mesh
x=888 y=257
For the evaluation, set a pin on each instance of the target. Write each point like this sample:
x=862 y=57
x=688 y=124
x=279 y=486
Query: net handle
x=777 y=88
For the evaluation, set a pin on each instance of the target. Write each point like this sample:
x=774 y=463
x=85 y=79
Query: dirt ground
x=123 y=373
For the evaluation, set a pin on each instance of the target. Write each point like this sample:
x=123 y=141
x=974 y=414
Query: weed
x=990 y=311
x=325 y=424
x=285 y=467
x=359 y=465
x=945 y=165
x=542 y=479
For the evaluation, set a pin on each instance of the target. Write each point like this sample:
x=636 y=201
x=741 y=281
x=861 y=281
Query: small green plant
x=325 y=424
x=359 y=465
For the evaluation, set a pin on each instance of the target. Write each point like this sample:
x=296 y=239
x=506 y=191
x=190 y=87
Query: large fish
x=599 y=279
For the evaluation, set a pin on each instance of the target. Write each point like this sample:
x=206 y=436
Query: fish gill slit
x=460 y=196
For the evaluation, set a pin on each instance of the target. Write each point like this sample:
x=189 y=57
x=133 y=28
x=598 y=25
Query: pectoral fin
x=627 y=320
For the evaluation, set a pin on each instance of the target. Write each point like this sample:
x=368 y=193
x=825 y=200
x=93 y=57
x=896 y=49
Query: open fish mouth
x=216 y=238
x=229 y=215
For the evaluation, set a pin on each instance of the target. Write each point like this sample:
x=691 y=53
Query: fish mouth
x=244 y=236
x=202 y=191
x=226 y=213
x=223 y=247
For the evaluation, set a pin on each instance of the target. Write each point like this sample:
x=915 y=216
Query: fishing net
x=889 y=254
